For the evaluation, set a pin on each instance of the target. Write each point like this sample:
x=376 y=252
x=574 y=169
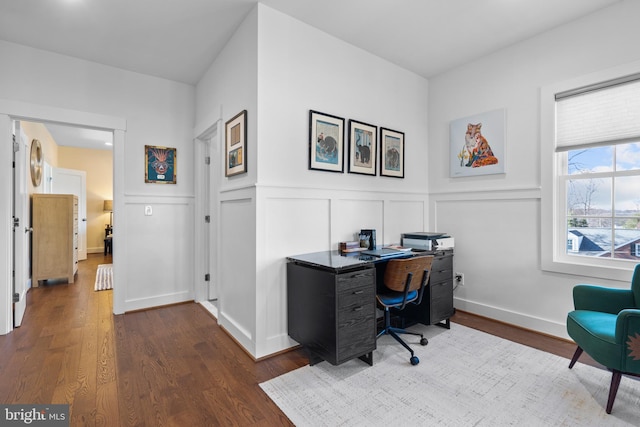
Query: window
x=591 y=179
x=598 y=149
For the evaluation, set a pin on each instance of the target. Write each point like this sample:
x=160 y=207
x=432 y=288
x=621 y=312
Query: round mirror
x=36 y=162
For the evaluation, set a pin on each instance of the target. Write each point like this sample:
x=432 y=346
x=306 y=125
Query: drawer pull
x=357 y=308
x=358 y=292
x=356 y=276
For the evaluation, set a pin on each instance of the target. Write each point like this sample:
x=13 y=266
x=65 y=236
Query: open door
x=70 y=181
x=21 y=230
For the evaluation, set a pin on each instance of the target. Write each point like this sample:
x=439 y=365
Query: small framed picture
x=160 y=165
x=363 y=143
x=326 y=142
x=236 y=144
x=391 y=153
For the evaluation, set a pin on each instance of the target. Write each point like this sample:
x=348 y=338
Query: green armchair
x=606 y=324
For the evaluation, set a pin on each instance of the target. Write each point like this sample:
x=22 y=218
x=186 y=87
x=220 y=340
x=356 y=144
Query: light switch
x=148 y=211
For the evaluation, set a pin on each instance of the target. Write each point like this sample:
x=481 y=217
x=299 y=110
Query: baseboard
x=544 y=326
x=157 y=301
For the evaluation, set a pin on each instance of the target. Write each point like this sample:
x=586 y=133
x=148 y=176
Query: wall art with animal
x=326 y=142
x=362 y=148
x=477 y=144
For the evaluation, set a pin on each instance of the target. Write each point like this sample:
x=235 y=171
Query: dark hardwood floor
x=162 y=367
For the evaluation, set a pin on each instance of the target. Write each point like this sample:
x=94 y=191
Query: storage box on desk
x=427 y=240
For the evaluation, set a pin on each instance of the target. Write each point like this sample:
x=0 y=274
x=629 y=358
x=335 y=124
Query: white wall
x=157 y=112
x=496 y=218
x=270 y=68
x=299 y=210
x=228 y=87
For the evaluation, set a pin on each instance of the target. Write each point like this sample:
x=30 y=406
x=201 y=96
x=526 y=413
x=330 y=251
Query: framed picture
x=477 y=144
x=236 y=144
x=391 y=153
x=363 y=143
x=160 y=165
x=326 y=142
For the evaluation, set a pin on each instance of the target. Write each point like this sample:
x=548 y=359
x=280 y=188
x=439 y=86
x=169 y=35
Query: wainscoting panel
x=237 y=258
x=162 y=272
x=294 y=221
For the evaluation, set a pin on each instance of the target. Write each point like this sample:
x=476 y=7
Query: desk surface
x=334 y=260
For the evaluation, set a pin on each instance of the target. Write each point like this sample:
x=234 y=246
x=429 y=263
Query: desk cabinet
x=437 y=303
x=54 y=219
x=332 y=314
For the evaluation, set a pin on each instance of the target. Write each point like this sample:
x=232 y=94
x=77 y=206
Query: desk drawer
x=356 y=279
x=442 y=269
x=356 y=332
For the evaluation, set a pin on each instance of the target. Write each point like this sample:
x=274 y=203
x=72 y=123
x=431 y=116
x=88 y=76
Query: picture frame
x=363 y=145
x=160 y=165
x=477 y=144
x=326 y=142
x=236 y=144
x=391 y=153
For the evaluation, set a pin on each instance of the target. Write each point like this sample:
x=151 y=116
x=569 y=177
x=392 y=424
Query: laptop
x=382 y=253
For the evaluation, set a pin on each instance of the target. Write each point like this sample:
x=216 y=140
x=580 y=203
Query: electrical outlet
x=459 y=278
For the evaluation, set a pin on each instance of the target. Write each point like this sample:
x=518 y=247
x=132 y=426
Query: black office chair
x=404 y=281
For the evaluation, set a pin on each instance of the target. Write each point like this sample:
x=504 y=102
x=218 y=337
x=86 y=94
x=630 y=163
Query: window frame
x=554 y=227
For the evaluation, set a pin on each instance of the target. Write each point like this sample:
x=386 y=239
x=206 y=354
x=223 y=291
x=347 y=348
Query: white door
x=21 y=230
x=70 y=181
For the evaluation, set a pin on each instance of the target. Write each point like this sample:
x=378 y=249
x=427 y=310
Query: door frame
x=207 y=144
x=16 y=110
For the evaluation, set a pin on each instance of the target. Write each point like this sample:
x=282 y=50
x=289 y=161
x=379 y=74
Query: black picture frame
x=391 y=153
x=363 y=148
x=235 y=136
x=326 y=142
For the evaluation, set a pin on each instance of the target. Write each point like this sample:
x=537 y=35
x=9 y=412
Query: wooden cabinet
x=332 y=314
x=54 y=219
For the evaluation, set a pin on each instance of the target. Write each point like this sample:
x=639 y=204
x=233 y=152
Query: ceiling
x=179 y=39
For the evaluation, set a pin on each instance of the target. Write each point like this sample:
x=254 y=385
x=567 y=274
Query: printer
x=426 y=240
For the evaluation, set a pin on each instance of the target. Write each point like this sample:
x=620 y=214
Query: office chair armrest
x=602 y=299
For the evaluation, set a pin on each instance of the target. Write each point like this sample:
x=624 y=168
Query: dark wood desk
x=332 y=307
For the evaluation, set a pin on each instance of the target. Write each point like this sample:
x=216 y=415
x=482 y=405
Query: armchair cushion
x=595 y=332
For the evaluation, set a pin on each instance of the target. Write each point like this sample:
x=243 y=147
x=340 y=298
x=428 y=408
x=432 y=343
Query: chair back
x=635 y=285
x=397 y=271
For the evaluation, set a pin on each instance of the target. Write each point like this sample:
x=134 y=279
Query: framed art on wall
x=236 y=144
x=391 y=153
x=326 y=142
x=477 y=144
x=160 y=165
x=362 y=148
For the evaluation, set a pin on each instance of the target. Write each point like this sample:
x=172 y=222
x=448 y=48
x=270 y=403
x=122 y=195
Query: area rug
x=104 y=277
x=465 y=378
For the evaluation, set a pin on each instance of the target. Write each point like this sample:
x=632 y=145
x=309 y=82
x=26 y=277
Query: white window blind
x=606 y=113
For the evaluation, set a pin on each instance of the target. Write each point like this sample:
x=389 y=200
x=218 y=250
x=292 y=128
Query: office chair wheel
x=414 y=360
x=424 y=341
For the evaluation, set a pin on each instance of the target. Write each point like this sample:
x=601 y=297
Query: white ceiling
x=179 y=39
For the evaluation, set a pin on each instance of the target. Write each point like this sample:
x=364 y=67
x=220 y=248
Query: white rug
x=104 y=277
x=465 y=378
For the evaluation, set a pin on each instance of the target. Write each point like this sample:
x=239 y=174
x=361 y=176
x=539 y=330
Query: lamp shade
x=108 y=206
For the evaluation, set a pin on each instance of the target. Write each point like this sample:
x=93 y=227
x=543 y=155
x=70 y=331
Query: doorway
x=11 y=110
x=208 y=170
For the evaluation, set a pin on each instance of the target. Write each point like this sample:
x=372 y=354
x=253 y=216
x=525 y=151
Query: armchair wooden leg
x=575 y=357
x=615 y=382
